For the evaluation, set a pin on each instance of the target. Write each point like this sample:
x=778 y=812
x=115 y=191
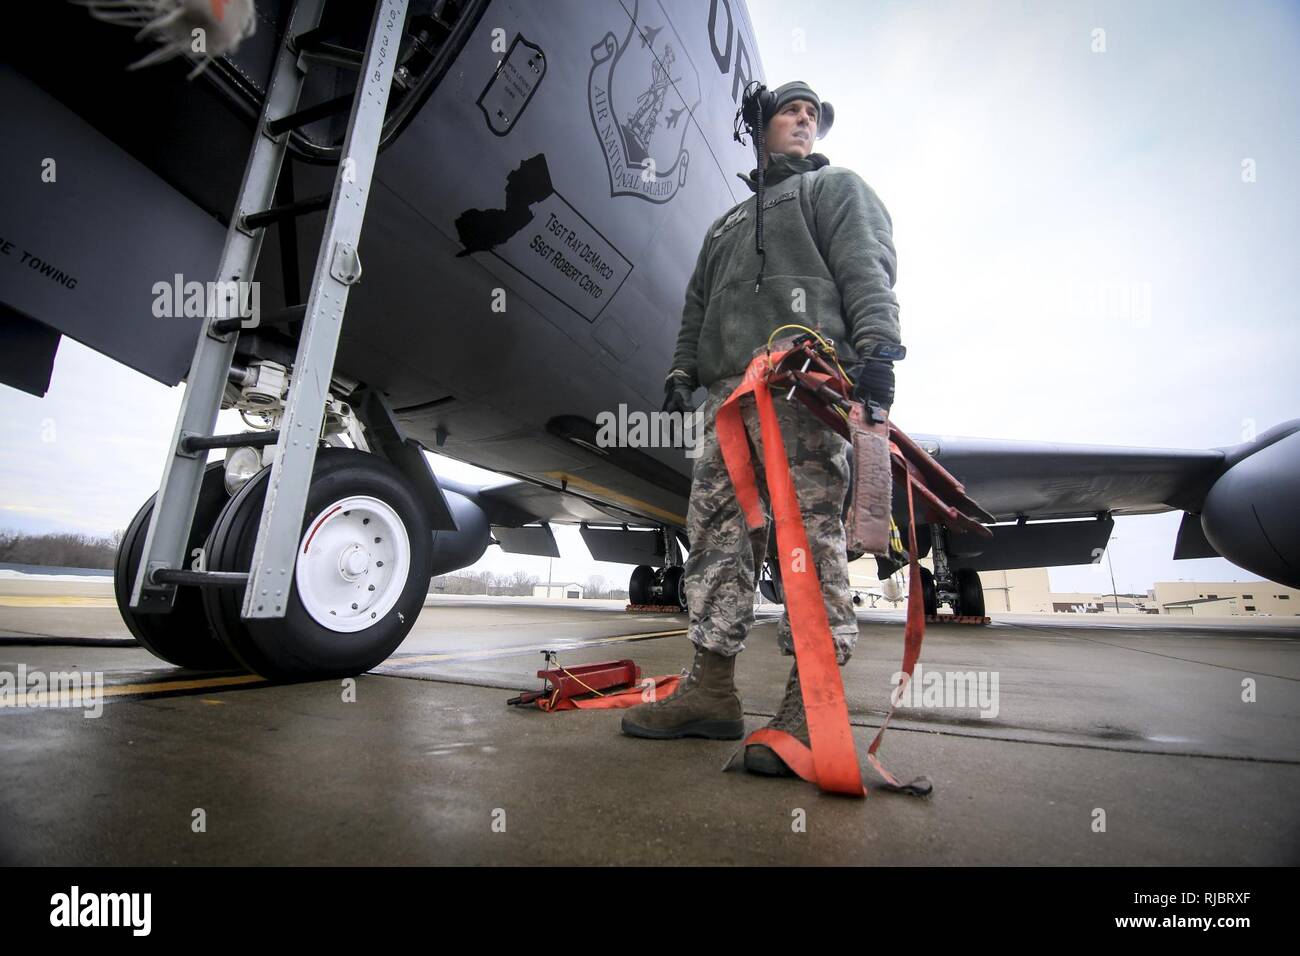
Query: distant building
x=1019 y=589
x=1028 y=590
x=559 y=591
x=1202 y=607
x=1090 y=602
x=1232 y=598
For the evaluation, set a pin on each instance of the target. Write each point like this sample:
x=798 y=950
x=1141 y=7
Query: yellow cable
x=826 y=346
x=781 y=328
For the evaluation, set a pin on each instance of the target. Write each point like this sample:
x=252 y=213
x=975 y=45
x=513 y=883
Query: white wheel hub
x=352 y=565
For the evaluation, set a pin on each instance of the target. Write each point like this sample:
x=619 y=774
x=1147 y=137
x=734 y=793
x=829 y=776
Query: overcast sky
x=1080 y=256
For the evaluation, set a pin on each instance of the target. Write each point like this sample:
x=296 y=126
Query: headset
x=757 y=104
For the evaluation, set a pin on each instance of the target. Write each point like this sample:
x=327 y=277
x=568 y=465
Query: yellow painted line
x=525 y=649
x=126 y=690
x=636 y=503
x=67 y=600
x=37 y=698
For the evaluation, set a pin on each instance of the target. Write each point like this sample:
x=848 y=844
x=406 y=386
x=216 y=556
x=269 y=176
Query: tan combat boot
x=705 y=704
x=791 y=718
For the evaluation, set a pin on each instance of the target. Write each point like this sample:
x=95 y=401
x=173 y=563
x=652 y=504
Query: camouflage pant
x=725 y=556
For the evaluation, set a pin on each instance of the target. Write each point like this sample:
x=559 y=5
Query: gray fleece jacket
x=829 y=250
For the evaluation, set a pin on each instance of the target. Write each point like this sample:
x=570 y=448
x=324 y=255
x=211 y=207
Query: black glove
x=873 y=381
x=677 y=393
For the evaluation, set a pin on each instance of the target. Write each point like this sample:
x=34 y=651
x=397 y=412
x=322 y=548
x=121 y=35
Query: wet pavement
x=1081 y=742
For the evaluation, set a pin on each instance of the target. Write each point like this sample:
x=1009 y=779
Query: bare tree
x=521 y=583
x=62 y=550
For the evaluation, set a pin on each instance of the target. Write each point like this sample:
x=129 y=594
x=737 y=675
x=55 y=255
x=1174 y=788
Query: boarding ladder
x=337 y=268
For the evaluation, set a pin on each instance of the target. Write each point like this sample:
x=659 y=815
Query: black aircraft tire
x=638 y=586
x=298 y=646
x=675 y=587
x=970 y=594
x=770 y=587
x=928 y=596
x=181 y=636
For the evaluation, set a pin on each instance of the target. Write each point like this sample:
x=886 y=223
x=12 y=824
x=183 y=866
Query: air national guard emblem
x=641 y=93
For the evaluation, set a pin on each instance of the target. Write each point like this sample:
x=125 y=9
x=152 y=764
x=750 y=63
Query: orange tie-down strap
x=831 y=762
x=611 y=700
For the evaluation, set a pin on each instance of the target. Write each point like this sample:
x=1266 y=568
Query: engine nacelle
x=1252 y=514
x=453 y=550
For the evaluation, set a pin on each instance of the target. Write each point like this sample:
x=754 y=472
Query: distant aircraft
x=529 y=230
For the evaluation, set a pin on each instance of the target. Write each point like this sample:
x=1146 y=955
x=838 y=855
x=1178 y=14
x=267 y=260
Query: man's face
x=793 y=129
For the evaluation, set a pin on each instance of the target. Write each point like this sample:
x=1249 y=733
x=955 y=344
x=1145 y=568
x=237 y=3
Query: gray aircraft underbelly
x=531 y=233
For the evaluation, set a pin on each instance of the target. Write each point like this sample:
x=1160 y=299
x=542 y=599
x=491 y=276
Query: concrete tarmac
x=1118 y=741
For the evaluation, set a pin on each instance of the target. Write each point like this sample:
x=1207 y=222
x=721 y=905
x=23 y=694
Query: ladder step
x=192 y=443
x=314 y=45
x=340 y=104
x=292 y=313
x=208 y=579
x=256 y=220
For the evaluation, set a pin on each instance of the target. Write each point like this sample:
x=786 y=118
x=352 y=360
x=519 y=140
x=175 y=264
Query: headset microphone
x=757 y=104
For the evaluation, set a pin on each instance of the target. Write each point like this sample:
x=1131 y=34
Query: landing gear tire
x=928 y=596
x=770 y=588
x=970 y=594
x=359 y=582
x=674 y=593
x=638 y=588
x=180 y=636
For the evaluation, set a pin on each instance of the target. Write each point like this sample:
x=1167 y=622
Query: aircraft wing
x=1050 y=480
x=1240 y=502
